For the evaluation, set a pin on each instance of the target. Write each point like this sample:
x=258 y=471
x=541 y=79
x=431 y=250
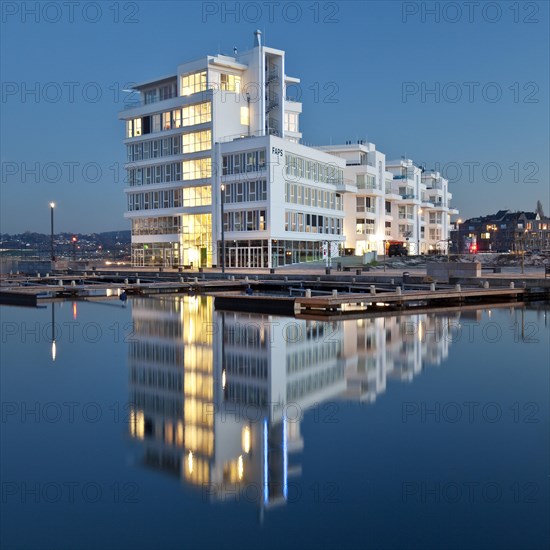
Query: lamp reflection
x=54 y=344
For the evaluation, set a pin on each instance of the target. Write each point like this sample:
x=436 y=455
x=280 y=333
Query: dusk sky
x=365 y=68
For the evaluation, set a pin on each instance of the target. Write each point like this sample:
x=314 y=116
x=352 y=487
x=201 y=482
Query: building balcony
x=345 y=187
x=366 y=210
x=410 y=199
x=140 y=108
x=392 y=197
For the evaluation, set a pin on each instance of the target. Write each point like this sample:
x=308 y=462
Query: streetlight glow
x=52 y=204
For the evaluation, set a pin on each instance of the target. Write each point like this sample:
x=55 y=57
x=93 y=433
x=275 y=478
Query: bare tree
x=539 y=210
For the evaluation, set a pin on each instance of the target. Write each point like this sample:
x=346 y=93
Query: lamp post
x=222 y=193
x=52 y=206
x=73 y=240
x=248 y=110
x=523 y=252
x=458 y=241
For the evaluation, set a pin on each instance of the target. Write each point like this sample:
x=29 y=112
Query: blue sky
x=366 y=67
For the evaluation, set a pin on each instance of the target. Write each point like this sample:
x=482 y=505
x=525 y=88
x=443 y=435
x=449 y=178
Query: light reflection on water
x=298 y=421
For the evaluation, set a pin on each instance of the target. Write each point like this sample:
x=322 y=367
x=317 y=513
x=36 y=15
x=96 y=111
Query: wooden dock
x=282 y=296
x=360 y=303
x=343 y=303
x=31 y=294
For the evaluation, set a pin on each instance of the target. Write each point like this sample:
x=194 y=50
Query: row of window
x=312 y=223
x=365 y=204
x=405 y=230
x=364 y=226
x=164 y=225
x=242 y=163
x=312 y=170
x=156 y=353
x=189 y=115
x=174 y=171
x=192 y=83
x=314 y=382
x=160 y=94
x=192 y=142
x=311 y=356
x=366 y=181
x=249 y=366
x=152 y=149
x=311 y=196
x=407 y=192
x=245 y=191
x=245 y=220
x=187 y=197
x=169 y=328
x=230 y=83
x=153 y=377
x=406 y=212
x=249 y=335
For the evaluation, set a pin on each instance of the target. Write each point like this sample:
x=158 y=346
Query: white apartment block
x=219 y=142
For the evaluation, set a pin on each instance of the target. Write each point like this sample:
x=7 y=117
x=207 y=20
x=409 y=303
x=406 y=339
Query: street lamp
x=458 y=241
x=73 y=240
x=523 y=252
x=52 y=206
x=222 y=193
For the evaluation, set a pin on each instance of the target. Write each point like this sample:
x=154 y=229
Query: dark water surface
x=166 y=424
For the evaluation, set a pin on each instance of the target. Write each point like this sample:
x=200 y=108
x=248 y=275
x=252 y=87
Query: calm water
x=167 y=424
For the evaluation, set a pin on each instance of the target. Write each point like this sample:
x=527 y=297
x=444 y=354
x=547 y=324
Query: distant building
x=225 y=129
x=504 y=231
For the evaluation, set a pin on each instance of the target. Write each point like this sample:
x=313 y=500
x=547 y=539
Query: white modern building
x=219 y=140
x=222 y=126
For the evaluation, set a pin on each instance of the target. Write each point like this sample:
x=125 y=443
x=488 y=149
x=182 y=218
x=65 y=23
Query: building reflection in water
x=217 y=397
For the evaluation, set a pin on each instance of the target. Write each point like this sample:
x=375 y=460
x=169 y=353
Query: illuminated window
x=193 y=83
x=245 y=116
x=230 y=83
x=196 y=114
x=133 y=128
x=166 y=123
x=197 y=196
x=291 y=122
x=197 y=168
x=197 y=141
